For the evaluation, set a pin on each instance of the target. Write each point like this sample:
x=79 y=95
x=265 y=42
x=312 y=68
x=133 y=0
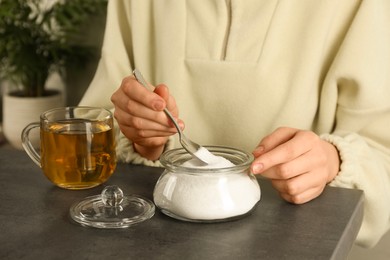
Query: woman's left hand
x=298 y=163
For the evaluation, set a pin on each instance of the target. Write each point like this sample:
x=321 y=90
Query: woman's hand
x=298 y=163
x=139 y=113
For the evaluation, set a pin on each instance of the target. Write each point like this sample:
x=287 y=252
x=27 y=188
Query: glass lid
x=112 y=209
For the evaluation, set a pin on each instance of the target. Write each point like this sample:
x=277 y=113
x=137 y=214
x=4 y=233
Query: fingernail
x=258 y=150
x=158 y=105
x=257 y=168
x=181 y=124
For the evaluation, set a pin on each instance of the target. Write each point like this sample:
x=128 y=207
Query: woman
x=303 y=85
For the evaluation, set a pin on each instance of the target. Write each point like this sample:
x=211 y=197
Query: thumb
x=163 y=91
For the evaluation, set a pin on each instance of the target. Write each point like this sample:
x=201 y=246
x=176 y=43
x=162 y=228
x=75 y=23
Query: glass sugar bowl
x=204 y=194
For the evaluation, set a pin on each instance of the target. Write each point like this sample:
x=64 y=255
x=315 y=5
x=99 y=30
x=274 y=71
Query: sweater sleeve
x=125 y=152
x=366 y=168
x=359 y=79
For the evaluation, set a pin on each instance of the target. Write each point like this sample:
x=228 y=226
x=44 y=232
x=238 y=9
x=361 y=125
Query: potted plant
x=38 y=38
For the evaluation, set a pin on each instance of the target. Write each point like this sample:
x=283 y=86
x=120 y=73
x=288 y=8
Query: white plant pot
x=18 y=112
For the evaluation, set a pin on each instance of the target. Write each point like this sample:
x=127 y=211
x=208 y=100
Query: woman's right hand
x=139 y=113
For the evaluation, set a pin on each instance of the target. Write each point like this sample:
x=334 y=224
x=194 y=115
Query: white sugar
x=207 y=197
x=206 y=156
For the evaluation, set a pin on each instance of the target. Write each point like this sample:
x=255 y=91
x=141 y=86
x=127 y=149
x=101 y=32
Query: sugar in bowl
x=191 y=191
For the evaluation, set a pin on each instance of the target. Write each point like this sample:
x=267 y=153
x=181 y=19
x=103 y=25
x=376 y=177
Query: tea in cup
x=77 y=146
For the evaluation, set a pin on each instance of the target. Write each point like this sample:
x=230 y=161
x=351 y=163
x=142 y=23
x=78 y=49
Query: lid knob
x=112 y=196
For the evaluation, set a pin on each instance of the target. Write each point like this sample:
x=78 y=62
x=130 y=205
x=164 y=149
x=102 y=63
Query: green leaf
x=35 y=41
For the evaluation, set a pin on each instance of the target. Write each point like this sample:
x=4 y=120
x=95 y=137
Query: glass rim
x=44 y=115
x=167 y=157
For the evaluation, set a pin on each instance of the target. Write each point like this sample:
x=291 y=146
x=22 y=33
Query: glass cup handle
x=28 y=147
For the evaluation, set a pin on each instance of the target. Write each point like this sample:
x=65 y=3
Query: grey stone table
x=34 y=222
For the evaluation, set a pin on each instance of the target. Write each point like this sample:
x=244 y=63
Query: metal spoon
x=193 y=148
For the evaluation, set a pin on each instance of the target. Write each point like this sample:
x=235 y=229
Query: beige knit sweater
x=239 y=69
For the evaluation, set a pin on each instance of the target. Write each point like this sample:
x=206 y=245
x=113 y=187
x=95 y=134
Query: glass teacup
x=77 y=146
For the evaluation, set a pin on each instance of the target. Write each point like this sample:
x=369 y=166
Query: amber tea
x=77 y=148
x=78 y=153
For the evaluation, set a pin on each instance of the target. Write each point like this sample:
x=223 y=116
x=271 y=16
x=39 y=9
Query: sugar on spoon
x=191 y=147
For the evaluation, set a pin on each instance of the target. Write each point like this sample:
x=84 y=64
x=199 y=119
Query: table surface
x=35 y=222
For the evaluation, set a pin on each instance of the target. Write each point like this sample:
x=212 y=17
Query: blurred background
x=76 y=81
x=38 y=37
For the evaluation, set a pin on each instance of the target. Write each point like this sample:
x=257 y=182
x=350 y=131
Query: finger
x=150 y=142
x=304 y=197
x=299 y=184
x=137 y=135
x=302 y=164
x=130 y=106
x=299 y=144
x=140 y=111
x=300 y=189
x=279 y=136
x=158 y=121
x=149 y=138
x=163 y=91
x=135 y=91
